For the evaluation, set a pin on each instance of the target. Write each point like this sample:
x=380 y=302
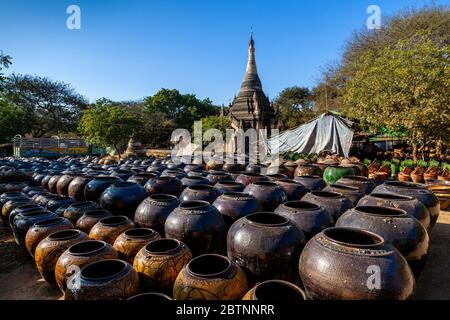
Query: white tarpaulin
x=327 y=132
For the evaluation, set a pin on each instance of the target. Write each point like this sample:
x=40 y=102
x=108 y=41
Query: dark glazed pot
x=336 y=264
x=6 y=196
x=43 y=198
x=51 y=186
x=154 y=210
x=335 y=203
x=230 y=167
x=266 y=246
x=80 y=255
x=31 y=191
x=94 y=188
x=22 y=222
x=210 y=277
x=131 y=241
x=190 y=181
x=268 y=195
x=229 y=186
x=364 y=184
x=247 y=178
x=108 y=229
x=75 y=211
x=77 y=185
x=396 y=227
x=62 y=186
x=110 y=279
x=235 y=205
x=411 y=205
x=215 y=177
x=164 y=185
x=122 y=174
x=50 y=248
x=23 y=209
x=193 y=167
x=159 y=263
x=176 y=173
x=294 y=190
x=13 y=203
x=307 y=170
x=276 y=176
x=40 y=230
x=201 y=192
x=90 y=218
x=276 y=290
x=428 y=198
x=312 y=183
x=309 y=217
x=122 y=198
x=45 y=180
x=254 y=168
x=352 y=193
x=199 y=225
x=56 y=202
x=141 y=178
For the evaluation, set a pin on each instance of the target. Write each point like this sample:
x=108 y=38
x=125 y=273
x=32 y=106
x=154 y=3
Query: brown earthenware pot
x=159 y=263
x=335 y=203
x=308 y=170
x=62 y=186
x=108 y=229
x=232 y=167
x=131 y=241
x=193 y=167
x=79 y=255
x=364 y=184
x=229 y=186
x=164 y=185
x=276 y=290
x=294 y=190
x=77 y=185
x=268 y=195
x=235 y=205
x=352 y=193
x=90 y=218
x=210 y=277
x=50 y=248
x=215 y=177
x=190 y=181
x=312 y=183
x=254 y=168
x=75 y=211
x=202 y=192
x=247 y=178
x=52 y=182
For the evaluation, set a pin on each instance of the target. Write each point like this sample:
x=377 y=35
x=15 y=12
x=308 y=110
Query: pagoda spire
x=251 y=63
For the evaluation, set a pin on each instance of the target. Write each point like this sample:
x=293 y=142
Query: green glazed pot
x=333 y=173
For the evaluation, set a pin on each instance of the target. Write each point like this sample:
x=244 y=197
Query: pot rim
x=371 y=210
x=380 y=240
x=163 y=240
x=64 y=234
x=391 y=196
x=145 y=233
x=49 y=222
x=185 y=205
x=163 y=197
x=120 y=220
x=98 y=212
x=343 y=186
x=236 y=195
x=105 y=278
x=209 y=275
x=148 y=294
x=265 y=184
x=312 y=176
x=83 y=204
x=265 y=213
x=279 y=282
x=405 y=184
x=310 y=206
x=102 y=245
x=200 y=187
x=321 y=194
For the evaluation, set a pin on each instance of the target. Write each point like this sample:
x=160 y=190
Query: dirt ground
x=19 y=278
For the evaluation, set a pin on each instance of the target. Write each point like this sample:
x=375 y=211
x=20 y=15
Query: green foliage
x=108 y=124
x=5 y=62
x=12 y=120
x=294 y=105
x=216 y=122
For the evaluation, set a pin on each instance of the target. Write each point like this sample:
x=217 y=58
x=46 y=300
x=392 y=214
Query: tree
x=108 y=124
x=12 y=121
x=404 y=87
x=216 y=122
x=51 y=106
x=184 y=109
x=294 y=106
x=5 y=62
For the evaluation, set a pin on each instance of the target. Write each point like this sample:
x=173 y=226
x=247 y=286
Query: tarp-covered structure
x=328 y=132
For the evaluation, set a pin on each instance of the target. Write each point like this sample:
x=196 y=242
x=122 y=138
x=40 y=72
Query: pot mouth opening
x=278 y=290
x=87 y=247
x=195 y=204
x=236 y=195
x=150 y=296
x=29 y=206
x=209 y=265
x=163 y=197
x=391 y=196
x=103 y=270
x=381 y=211
x=85 y=204
x=267 y=219
x=162 y=246
x=326 y=194
x=139 y=233
x=115 y=220
x=48 y=222
x=304 y=205
x=356 y=178
x=201 y=187
x=65 y=234
x=353 y=237
x=408 y=185
x=35 y=213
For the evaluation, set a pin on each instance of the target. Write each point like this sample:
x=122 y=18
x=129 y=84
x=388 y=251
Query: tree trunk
x=414 y=153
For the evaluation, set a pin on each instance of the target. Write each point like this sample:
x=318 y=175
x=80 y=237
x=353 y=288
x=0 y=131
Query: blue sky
x=129 y=49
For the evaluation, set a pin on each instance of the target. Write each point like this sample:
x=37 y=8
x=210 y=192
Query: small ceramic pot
x=159 y=263
x=268 y=195
x=312 y=183
x=131 y=241
x=108 y=229
x=335 y=203
x=190 y=181
x=210 y=277
x=200 y=192
x=62 y=186
x=276 y=290
x=52 y=182
x=90 y=218
x=75 y=211
x=23 y=209
x=164 y=185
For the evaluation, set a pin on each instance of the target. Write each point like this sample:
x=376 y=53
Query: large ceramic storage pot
x=56 y=202
x=22 y=222
x=266 y=245
x=159 y=263
x=110 y=279
x=79 y=255
x=45 y=180
x=43 y=198
x=335 y=203
x=164 y=185
x=354 y=264
x=131 y=241
x=190 y=181
x=37 y=178
x=293 y=190
x=411 y=205
x=13 y=203
x=51 y=186
x=122 y=174
x=254 y=168
x=230 y=167
x=23 y=209
x=229 y=186
x=193 y=167
x=364 y=184
x=75 y=211
x=199 y=225
x=210 y=277
x=307 y=170
x=50 y=248
x=77 y=185
x=352 y=193
x=122 y=198
x=141 y=178
x=396 y=227
x=247 y=178
x=176 y=173
x=90 y=218
x=154 y=210
x=235 y=205
x=94 y=188
x=108 y=229
x=333 y=173
x=6 y=196
x=201 y=192
x=40 y=230
x=215 y=177
x=274 y=177
x=31 y=191
x=62 y=186
x=429 y=200
x=276 y=290
x=309 y=217
x=268 y=195
x=312 y=183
